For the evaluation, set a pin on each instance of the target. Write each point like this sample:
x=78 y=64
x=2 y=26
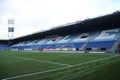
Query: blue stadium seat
x=98 y=39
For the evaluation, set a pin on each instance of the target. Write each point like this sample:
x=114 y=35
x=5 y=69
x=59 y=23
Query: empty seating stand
x=102 y=39
x=105 y=39
x=3 y=47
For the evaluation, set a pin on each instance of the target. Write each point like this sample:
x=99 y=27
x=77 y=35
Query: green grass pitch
x=58 y=66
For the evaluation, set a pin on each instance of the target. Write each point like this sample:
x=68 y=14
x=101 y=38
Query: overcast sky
x=31 y=16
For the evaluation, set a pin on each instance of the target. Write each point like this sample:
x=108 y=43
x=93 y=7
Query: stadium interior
x=101 y=34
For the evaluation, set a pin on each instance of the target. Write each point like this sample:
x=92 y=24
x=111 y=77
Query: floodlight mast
x=10 y=30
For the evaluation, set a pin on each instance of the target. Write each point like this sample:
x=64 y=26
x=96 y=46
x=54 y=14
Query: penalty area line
x=31 y=74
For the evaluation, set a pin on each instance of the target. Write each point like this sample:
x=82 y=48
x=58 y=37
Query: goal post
x=65 y=47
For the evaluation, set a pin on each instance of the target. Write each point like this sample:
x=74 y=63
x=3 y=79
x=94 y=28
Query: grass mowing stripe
x=42 y=61
x=70 y=72
x=92 y=69
x=84 y=72
x=30 y=74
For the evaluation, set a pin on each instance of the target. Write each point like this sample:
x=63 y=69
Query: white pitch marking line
x=31 y=74
x=42 y=61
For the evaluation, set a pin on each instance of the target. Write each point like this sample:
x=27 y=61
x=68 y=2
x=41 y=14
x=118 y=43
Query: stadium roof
x=99 y=23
